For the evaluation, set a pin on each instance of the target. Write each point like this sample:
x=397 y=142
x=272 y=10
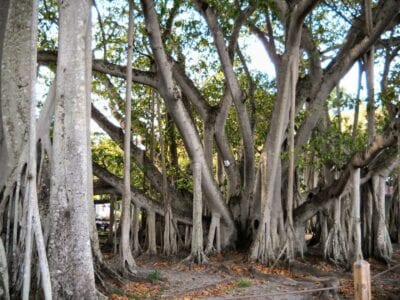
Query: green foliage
x=48 y=25
x=188 y=41
x=331 y=147
x=243 y=283
x=108 y=154
x=154 y=276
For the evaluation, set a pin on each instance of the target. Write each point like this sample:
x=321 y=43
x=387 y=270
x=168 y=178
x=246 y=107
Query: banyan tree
x=162 y=110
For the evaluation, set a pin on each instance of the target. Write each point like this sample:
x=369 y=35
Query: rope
x=288 y=292
x=306 y=290
x=388 y=270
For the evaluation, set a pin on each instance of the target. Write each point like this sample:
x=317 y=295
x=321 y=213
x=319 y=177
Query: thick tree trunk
x=69 y=252
x=4 y=289
x=197 y=253
x=382 y=244
x=4 y=7
x=151 y=233
x=17 y=107
x=292 y=243
x=335 y=247
x=214 y=233
x=16 y=87
x=286 y=78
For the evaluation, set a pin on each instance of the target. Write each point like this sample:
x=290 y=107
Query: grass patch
x=154 y=276
x=243 y=283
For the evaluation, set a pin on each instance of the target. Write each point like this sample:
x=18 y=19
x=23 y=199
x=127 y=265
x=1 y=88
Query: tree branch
x=137 y=196
x=152 y=173
x=102 y=66
x=316 y=202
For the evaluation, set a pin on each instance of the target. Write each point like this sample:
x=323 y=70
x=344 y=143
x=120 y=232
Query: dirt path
x=231 y=277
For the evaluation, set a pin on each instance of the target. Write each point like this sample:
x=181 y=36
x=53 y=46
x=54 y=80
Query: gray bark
x=183 y=121
x=4 y=288
x=272 y=147
x=93 y=229
x=237 y=96
x=69 y=251
x=214 y=234
x=169 y=236
x=16 y=86
x=155 y=177
x=357 y=104
x=18 y=65
x=4 y=7
x=290 y=231
x=335 y=244
x=137 y=196
x=382 y=245
x=197 y=253
x=355 y=224
x=151 y=233
x=127 y=261
x=105 y=67
x=135 y=228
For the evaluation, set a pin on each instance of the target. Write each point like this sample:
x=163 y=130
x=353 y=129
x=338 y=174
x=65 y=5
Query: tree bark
x=238 y=98
x=356 y=217
x=197 y=253
x=4 y=288
x=153 y=174
x=169 y=236
x=127 y=261
x=136 y=227
x=4 y=8
x=69 y=251
x=382 y=245
x=173 y=101
x=151 y=233
x=16 y=87
x=214 y=234
x=272 y=147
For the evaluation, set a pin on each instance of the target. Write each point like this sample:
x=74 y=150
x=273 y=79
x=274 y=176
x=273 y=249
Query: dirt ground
x=230 y=276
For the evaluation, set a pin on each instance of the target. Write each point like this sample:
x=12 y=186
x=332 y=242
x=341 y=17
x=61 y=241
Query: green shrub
x=243 y=283
x=154 y=276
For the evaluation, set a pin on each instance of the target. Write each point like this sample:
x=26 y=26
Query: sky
x=260 y=62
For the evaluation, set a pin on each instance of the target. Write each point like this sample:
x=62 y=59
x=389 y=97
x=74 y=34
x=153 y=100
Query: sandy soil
x=230 y=276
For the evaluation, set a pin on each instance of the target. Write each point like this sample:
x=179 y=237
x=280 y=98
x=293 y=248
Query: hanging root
x=197 y=257
x=293 y=244
x=335 y=246
x=4 y=293
x=214 y=233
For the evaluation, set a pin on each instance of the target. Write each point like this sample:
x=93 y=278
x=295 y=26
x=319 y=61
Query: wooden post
x=362 y=280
